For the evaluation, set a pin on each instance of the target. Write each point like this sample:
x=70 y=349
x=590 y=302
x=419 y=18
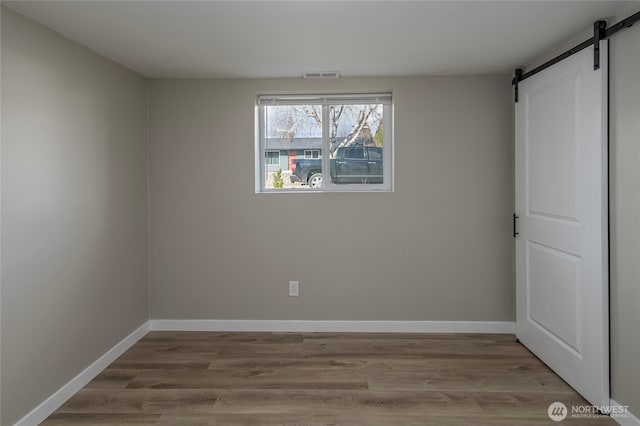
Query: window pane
x=356 y=142
x=272 y=157
x=375 y=153
x=294 y=132
x=354 y=153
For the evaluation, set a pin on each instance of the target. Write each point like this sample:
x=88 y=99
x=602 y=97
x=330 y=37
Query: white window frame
x=310 y=156
x=324 y=99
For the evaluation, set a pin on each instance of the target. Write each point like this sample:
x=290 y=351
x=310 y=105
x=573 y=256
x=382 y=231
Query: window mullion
x=261 y=160
x=387 y=147
x=326 y=176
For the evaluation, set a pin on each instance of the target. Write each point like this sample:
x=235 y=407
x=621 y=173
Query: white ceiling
x=229 y=39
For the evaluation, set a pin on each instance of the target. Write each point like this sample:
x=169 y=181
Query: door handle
x=515 y=225
x=373 y=163
x=341 y=162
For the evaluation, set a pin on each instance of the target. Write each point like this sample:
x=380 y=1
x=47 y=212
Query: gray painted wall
x=438 y=248
x=625 y=217
x=74 y=219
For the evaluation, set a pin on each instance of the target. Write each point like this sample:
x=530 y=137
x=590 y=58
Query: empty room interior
x=320 y=213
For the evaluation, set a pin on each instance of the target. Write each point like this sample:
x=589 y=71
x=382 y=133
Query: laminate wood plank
x=476 y=377
x=142 y=401
x=169 y=363
x=108 y=419
x=222 y=336
x=517 y=364
x=266 y=401
x=469 y=337
x=336 y=402
x=112 y=378
x=259 y=378
x=379 y=420
x=427 y=348
x=138 y=359
x=243 y=362
x=221 y=347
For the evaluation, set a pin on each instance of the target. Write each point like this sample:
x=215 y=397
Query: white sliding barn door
x=562 y=283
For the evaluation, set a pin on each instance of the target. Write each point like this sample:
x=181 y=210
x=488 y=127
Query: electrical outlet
x=293 y=288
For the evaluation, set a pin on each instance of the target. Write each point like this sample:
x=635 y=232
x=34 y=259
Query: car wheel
x=315 y=181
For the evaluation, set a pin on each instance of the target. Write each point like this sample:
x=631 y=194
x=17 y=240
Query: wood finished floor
x=202 y=378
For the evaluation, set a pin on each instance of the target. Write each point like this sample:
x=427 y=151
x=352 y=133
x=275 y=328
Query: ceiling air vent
x=325 y=74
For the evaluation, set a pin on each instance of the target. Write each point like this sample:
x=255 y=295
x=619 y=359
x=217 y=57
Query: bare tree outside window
x=348 y=124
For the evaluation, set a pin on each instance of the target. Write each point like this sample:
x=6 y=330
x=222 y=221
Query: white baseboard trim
x=492 y=327
x=51 y=404
x=627 y=419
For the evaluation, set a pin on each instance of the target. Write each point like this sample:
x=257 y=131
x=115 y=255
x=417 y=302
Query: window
x=324 y=142
x=354 y=153
x=312 y=153
x=272 y=158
